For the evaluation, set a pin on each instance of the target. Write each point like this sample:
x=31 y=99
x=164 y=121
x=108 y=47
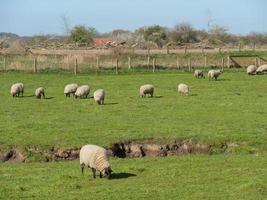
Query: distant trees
x=82 y=34
x=156 y=34
x=183 y=33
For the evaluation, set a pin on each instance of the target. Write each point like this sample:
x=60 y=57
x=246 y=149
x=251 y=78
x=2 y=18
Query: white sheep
x=261 y=69
x=99 y=96
x=251 y=69
x=183 y=89
x=17 y=89
x=146 y=89
x=39 y=92
x=199 y=73
x=214 y=74
x=70 y=89
x=82 y=91
x=96 y=158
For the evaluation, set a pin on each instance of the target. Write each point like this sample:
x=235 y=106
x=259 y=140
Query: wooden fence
x=80 y=63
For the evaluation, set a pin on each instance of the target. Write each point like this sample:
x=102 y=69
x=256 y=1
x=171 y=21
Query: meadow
x=232 y=109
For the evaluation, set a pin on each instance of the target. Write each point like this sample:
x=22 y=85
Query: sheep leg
x=82 y=167
x=93 y=170
x=100 y=175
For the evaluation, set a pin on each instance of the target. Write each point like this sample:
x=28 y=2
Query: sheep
x=70 y=89
x=39 y=92
x=199 y=73
x=214 y=74
x=183 y=89
x=251 y=69
x=261 y=69
x=146 y=89
x=82 y=91
x=99 y=96
x=96 y=158
x=17 y=89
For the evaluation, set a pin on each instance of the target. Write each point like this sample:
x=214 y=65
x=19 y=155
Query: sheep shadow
x=157 y=97
x=121 y=175
x=47 y=98
x=114 y=103
x=193 y=95
x=25 y=96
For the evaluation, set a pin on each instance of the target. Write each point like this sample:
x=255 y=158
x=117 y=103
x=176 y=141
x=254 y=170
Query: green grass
x=231 y=109
x=185 y=177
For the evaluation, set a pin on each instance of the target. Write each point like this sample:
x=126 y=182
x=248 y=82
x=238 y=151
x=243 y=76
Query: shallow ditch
x=130 y=149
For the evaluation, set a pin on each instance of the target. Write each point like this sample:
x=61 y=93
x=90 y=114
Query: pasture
x=232 y=109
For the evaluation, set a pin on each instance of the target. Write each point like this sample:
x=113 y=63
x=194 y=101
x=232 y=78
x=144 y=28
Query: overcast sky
x=30 y=17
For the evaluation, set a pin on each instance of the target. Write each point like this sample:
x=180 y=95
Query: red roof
x=101 y=41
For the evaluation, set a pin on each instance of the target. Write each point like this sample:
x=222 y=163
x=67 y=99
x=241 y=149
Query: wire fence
x=81 y=63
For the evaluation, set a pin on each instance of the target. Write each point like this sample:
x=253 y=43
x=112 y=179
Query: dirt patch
x=12 y=156
x=131 y=149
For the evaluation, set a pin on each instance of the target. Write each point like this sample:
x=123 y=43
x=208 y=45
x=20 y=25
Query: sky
x=34 y=17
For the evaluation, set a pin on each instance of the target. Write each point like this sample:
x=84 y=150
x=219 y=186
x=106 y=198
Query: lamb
x=183 y=89
x=70 y=89
x=251 y=69
x=39 y=92
x=214 y=74
x=261 y=69
x=199 y=73
x=96 y=158
x=17 y=89
x=82 y=91
x=146 y=89
x=99 y=96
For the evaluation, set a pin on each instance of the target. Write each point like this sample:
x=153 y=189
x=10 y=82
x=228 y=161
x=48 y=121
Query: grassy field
x=232 y=110
x=186 y=177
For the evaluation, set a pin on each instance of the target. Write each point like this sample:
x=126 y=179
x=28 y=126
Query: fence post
x=148 y=61
x=185 y=50
x=129 y=62
x=5 y=62
x=75 y=66
x=239 y=47
x=256 y=62
x=35 y=64
x=205 y=60
x=168 y=50
x=189 y=63
x=177 y=62
x=154 y=64
x=97 y=62
x=222 y=63
x=117 y=65
x=228 y=61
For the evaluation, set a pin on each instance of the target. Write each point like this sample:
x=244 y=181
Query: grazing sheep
x=70 y=89
x=183 y=89
x=146 y=89
x=17 y=89
x=261 y=69
x=199 y=73
x=251 y=69
x=214 y=74
x=39 y=92
x=99 y=96
x=96 y=158
x=82 y=91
